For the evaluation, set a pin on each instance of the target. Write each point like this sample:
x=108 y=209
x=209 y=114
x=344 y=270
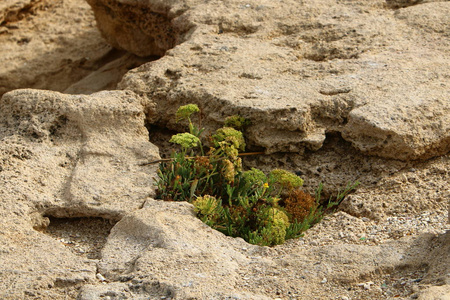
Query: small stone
x=366 y=285
x=100 y=277
x=324 y=280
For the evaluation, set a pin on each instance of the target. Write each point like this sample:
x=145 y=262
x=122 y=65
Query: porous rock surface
x=65 y=156
x=325 y=82
x=53 y=44
x=300 y=69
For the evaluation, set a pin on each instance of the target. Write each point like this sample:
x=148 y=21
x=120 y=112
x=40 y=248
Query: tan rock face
x=88 y=135
x=77 y=156
x=14 y=10
x=55 y=44
x=301 y=69
x=141 y=27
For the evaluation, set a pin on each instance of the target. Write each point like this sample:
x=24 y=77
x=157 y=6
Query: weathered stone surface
x=96 y=140
x=53 y=45
x=142 y=27
x=44 y=54
x=162 y=249
x=301 y=69
x=174 y=253
x=13 y=10
x=77 y=156
x=401 y=3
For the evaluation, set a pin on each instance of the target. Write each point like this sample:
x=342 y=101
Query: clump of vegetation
x=263 y=209
x=237 y=122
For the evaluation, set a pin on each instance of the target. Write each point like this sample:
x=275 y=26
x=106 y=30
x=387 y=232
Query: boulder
x=299 y=70
x=77 y=156
x=144 y=28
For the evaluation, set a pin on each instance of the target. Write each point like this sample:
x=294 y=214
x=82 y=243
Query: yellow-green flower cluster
x=229 y=137
x=236 y=122
x=228 y=171
x=186 y=140
x=185 y=111
x=255 y=177
x=286 y=179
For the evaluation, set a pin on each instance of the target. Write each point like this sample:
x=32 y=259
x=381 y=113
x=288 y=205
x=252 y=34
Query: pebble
x=324 y=281
x=366 y=285
x=100 y=277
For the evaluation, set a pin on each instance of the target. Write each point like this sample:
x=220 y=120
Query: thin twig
x=192 y=157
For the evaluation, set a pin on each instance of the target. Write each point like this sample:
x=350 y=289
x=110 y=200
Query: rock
x=78 y=156
x=428 y=17
x=66 y=49
x=144 y=28
x=402 y=3
x=386 y=129
x=362 y=71
x=53 y=45
x=107 y=76
x=81 y=138
x=165 y=240
x=14 y=10
x=114 y=290
x=435 y=293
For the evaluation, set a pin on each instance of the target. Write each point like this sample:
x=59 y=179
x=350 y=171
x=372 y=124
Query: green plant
x=237 y=122
x=262 y=209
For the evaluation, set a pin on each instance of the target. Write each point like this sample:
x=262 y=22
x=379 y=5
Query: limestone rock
x=142 y=27
x=299 y=70
x=97 y=141
x=77 y=156
x=53 y=45
x=173 y=254
x=390 y=129
x=402 y=3
x=13 y=10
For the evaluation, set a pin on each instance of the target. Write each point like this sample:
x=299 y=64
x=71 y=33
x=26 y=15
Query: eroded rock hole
x=84 y=236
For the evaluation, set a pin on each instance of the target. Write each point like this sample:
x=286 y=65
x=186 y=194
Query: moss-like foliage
x=299 y=204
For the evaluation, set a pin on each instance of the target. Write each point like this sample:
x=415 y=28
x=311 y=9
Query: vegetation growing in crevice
x=264 y=209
